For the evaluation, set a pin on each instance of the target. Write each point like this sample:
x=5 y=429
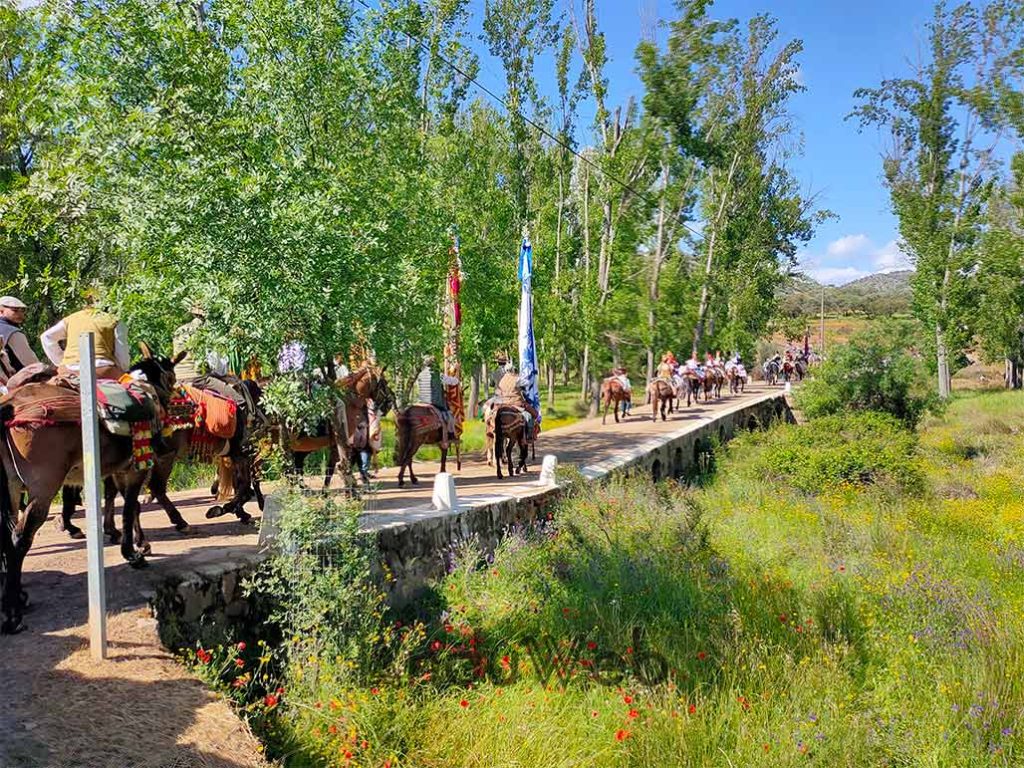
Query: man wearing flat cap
x=16 y=353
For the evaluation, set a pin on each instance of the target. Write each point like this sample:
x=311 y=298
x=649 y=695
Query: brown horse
x=41 y=458
x=510 y=430
x=692 y=386
x=737 y=380
x=416 y=426
x=613 y=393
x=660 y=392
x=714 y=379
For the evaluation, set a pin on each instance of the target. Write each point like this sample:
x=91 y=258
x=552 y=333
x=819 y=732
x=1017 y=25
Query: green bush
x=857 y=449
x=872 y=372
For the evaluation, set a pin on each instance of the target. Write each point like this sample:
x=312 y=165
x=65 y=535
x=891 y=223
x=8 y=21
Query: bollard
x=548 y=470
x=269 y=522
x=788 y=388
x=445 y=498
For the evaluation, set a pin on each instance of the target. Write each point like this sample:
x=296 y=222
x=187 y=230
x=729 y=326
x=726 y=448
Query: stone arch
x=656 y=470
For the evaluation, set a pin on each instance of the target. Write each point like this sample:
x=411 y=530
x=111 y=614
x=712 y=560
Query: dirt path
x=140 y=709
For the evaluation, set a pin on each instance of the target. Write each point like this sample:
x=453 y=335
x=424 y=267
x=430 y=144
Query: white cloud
x=848 y=245
x=890 y=258
x=835 y=275
x=851 y=257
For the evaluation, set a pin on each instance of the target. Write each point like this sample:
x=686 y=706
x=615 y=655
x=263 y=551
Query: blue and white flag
x=528 y=373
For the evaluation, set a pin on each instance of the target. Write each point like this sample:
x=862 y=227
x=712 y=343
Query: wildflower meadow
x=842 y=593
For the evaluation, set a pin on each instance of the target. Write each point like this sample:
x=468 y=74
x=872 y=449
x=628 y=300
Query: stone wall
x=206 y=604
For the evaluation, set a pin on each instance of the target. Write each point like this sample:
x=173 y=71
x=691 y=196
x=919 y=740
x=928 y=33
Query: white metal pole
x=91 y=494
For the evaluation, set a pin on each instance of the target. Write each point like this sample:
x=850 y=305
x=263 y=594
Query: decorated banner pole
x=527 y=343
x=91 y=497
x=452 y=329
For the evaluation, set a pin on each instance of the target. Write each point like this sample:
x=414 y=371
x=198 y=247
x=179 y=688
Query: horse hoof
x=146 y=548
x=76 y=533
x=184 y=528
x=137 y=561
x=246 y=519
x=12 y=627
x=114 y=536
x=415 y=481
x=23 y=600
x=215 y=511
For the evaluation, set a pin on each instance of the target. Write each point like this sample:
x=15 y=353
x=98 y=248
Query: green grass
x=862 y=623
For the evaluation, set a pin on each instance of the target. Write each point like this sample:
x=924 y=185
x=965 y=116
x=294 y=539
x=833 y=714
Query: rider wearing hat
x=15 y=352
x=110 y=337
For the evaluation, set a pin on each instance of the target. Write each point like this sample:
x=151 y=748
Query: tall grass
x=852 y=622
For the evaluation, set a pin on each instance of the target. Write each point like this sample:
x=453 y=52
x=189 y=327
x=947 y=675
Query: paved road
x=141 y=706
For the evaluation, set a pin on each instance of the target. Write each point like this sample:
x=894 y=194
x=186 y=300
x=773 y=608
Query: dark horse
x=510 y=430
x=235 y=462
x=40 y=458
x=416 y=426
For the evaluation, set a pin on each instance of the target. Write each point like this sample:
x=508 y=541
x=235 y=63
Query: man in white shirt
x=15 y=353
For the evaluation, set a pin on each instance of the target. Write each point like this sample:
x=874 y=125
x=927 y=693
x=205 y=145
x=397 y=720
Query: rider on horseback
x=667 y=367
x=619 y=374
x=110 y=337
x=430 y=386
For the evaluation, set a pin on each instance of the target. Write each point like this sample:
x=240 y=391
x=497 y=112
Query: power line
x=501 y=100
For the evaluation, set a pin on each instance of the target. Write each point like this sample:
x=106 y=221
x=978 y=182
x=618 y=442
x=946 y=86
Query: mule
x=510 y=430
x=612 y=394
x=660 y=393
x=416 y=426
x=40 y=459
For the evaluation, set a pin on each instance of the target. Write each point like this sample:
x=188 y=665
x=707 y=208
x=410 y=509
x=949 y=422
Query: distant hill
x=886 y=293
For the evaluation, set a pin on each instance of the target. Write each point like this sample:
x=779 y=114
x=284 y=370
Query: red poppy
x=692 y=709
x=565 y=611
x=448 y=628
x=204 y=656
x=592 y=645
x=506 y=662
x=333 y=729
x=632 y=714
x=239 y=663
x=701 y=655
x=463 y=703
x=435 y=646
x=270 y=700
x=767 y=747
x=783 y=618
x=627 y=699
x=621 y=735
x=241 y=646
x=375 y=691
x=594 y=713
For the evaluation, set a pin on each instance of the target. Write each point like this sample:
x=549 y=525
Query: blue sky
x=846 y=45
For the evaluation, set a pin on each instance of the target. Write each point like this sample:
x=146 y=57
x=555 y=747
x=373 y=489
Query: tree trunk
x=565 y=370
x=595 y=397
x=585 y=369
x=474 y=393
x=705 y=291
x=942 y=358
x=650 y=364
x=551 y=386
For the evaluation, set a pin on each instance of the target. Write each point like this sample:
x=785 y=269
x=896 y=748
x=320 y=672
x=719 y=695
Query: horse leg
x=109 y=508
x=15 y=544
x=458 y=454
x=508 y=457
x=333 y=459
x=607 y=402
x=69 y=502
x=499 y=443
x=130 y=486
x=158 y=487
x=654 y=407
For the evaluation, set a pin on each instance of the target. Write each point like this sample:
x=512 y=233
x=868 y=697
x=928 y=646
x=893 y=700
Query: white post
x=92 y=499
x=548 y=470
x=445 y=497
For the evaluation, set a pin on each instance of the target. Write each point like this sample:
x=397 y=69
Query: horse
x=341 y=426
x=416 y=426
x=772 y=369
x=510 y=430
x=692 y=385
x=737 y=379
x=660 y=391
x=612 y=393
x=234 y=457
x=39 y=458
x=714 y=378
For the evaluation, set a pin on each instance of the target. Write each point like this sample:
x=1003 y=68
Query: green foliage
x=792 y=624
x=940 y=171
x=300 y=406
x=876 y=370
x=833 y=451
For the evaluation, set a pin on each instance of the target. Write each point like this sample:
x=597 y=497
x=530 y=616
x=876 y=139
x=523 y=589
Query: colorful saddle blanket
x=215 y=414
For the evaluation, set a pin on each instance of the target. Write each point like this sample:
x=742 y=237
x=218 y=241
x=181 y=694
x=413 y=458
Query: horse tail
x=401 y=437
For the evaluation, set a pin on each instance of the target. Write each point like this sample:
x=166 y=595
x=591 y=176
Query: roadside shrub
x=857 y=449
x=872 y=372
